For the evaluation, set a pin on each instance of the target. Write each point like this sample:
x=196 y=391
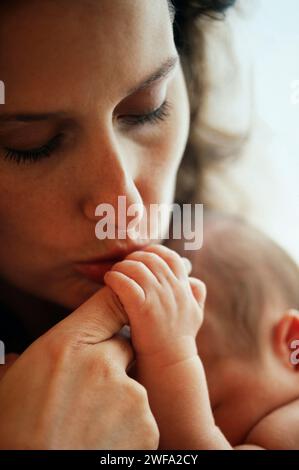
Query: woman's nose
x=112 y=184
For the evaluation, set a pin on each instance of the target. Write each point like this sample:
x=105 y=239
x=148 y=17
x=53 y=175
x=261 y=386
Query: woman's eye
x=46 y=150
x=34 y=154
x=154 y=117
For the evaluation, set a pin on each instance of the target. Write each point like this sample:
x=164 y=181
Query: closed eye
x=45 y=151
x=34 y=154
x=154 y=117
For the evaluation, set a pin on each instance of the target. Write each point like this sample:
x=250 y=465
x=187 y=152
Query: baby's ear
x=286 y=339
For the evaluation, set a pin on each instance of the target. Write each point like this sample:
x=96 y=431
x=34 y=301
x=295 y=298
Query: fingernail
x=188 y=265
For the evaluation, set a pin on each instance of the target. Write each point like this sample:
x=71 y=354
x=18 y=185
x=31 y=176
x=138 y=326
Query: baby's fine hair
x=247 y=274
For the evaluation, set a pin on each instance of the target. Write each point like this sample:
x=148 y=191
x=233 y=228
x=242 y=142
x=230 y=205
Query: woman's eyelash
x=33 y=155
x=160 y=114
x=37 y=154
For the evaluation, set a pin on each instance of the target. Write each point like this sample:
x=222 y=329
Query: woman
x=96 y=106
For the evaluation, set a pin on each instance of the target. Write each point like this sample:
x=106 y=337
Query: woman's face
x=76 y=131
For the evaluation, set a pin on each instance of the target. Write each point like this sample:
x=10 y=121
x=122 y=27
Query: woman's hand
x=70 y=390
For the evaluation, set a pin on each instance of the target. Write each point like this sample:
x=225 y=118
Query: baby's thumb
x=97 y=319
x=199 y=290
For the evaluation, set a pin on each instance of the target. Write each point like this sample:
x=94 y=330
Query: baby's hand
x=164 y=305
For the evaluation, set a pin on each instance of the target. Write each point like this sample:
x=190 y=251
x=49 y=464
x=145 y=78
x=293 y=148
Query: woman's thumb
x=97 y=319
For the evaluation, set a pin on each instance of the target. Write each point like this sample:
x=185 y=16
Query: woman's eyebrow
x=163 y=71
x=31 y=117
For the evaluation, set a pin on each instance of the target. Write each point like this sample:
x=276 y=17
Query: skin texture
x=165 y=309
x=70 y=399
x=47 y=208
x=80 y=59
x=71 y=63
x=258 y=400
x=253 y=399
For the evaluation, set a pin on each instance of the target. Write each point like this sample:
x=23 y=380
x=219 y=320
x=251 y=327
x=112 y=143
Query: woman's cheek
x=165 y=151
x=168 y=149
x=30 y=214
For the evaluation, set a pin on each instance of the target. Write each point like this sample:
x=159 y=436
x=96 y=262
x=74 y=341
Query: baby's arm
x=279 y=430
x=165 y=310
x=179 y=400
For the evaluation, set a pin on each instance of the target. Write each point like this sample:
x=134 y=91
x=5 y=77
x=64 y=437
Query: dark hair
x=187 y=11
x=189 y=40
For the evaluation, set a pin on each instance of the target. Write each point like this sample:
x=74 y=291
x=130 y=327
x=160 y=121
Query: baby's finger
x=188 y=265
x=137 y=270
x=129 y=292
x=155 y=264
x=171 y=257
x=199 y=291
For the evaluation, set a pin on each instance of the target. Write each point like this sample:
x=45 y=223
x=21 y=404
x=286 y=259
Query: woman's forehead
x=81 y=45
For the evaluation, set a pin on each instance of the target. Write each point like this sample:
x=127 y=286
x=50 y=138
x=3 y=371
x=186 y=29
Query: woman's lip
x=95 y=271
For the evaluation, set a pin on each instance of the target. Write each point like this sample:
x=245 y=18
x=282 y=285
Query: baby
x=220 y=370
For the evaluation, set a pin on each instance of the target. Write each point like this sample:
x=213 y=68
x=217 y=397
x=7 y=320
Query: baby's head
x=249 y=324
